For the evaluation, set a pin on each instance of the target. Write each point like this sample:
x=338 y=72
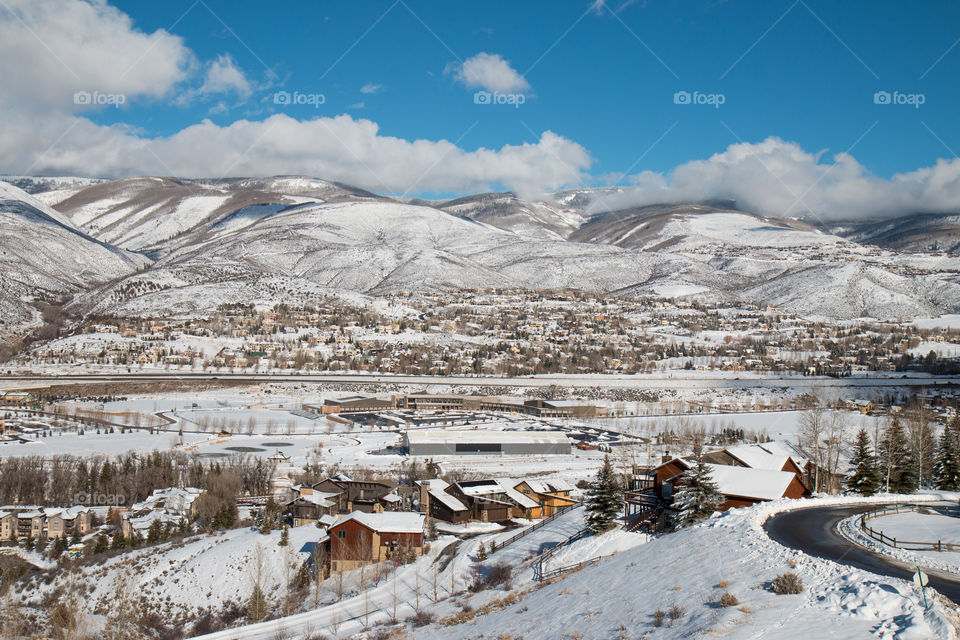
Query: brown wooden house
x=363 y=538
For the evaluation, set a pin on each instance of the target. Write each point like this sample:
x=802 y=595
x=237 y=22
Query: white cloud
x=223 y=76
x=96 y=47
x=340 y=148
x=489 y=71
x=780 y=178
x=371 y=88
x=54 y=48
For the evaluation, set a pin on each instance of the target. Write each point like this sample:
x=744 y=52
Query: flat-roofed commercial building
x=449 y=442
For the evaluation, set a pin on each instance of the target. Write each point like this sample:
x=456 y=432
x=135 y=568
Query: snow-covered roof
x=446 y=499
x=318 y=498
x=391 y=497
x=327 y=520
x=756 y=457
x=760 y=484
x=389 y=521
x=140 y=523
x=508 y=484
x=452 y=436
x=783 y=448
x=548 y=486
x=171 y=499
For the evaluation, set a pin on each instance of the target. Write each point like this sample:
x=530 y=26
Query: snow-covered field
x=922 y=527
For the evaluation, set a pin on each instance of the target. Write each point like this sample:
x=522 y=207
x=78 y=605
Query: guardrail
x=909 y=545
x=496 y=546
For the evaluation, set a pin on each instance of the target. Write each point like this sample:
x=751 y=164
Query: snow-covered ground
x=911 y=526
x=617 y=597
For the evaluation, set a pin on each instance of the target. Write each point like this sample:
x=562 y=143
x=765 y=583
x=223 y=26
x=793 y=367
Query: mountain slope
x=919 y=232
x=43 y=256
x=508 y=212
x=153 y=214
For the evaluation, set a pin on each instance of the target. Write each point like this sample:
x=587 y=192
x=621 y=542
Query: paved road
x=674 y=381
x=814 y=531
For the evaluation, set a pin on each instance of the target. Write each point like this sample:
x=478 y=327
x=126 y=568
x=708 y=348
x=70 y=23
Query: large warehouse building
x=449 y=442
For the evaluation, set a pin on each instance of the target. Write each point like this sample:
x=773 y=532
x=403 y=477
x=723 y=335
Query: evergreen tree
x=432 y=533
x=481 y=553
x=604 y=499
x=284 y=537
x=101 y=544
x=865 y=479
x=257 y=605
x=698 y=496
x=897 y=465
x=118 y=543
x=947 y=468
x=154 y=533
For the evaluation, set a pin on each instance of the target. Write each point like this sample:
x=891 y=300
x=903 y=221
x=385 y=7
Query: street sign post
x=921 y=580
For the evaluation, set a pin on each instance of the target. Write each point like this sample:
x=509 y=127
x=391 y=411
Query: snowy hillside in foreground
x=691 y=569
x=43 y=255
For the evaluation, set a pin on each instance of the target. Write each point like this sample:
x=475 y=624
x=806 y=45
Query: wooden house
x=363 y=538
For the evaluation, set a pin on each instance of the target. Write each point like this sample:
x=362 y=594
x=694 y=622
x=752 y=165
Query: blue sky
x=601 y=76
x=599 y=84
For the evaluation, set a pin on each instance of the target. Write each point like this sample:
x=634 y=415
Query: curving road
x=814 y=532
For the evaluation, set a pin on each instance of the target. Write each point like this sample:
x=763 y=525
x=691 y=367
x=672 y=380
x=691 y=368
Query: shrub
x=728 y=600
x=499 y=574
x=787 y=583
x=675 y=612
x=422 y=618
x=658 y=617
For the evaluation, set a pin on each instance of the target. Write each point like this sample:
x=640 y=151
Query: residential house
x=362 y=538
x=551 y=495
x=358 y=495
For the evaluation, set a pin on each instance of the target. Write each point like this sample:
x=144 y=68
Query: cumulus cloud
x=94 y=47
x=53 y=49
x=340 y=148
x=223 y=76
x=780 y=178
x=489 y=71
x=371 y=88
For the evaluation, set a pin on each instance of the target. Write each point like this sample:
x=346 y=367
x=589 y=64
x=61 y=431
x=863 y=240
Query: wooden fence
x=496 y=546
x=909 y=545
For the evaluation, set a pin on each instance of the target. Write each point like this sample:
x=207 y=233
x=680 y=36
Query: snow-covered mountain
x=288 y=238
x=43 y=257
x=537 y=219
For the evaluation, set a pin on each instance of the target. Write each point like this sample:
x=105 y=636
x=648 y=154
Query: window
x=478 y=447
x=341 y=534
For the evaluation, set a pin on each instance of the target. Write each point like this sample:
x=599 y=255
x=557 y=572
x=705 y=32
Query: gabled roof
x=387 y=522
x=508 y=485
x=744 y=482
x=756 y=457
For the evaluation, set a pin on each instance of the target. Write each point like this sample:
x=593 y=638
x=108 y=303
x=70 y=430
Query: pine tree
x=698 y=496
x=947 y=468
x=604 y=499
x=481 y=553
x=865 y=479
x=897 y=465
x=284 y=537
x=432 y=533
